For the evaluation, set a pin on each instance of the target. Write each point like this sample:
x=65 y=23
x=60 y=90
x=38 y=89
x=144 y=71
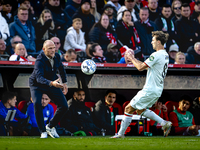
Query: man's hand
x=65 y=89
x=193 y=130
x=129 y=54
x=56 y=83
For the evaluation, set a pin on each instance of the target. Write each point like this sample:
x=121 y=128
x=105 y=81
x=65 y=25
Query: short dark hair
x=79 y=89
x=110 y=91
x=144 y=8
x=70 y=51
x=166 y=6
x=8 y=95
x=186 y=98
x=185 y=5
x=125 y=11
x=92 y=48
x=160 y=36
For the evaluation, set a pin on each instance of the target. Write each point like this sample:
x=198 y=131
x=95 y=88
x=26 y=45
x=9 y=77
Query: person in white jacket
x=129 y=5
x=75 y=37
x=4 y=29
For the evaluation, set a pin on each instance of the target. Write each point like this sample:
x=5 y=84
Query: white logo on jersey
x=79 y=112
x=186 y=118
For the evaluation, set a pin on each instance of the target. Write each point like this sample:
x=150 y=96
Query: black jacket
x=145 y=35
x=79 y=117
x=98 y=35
x=102 y=117
x=71 y=8
x=87 y=21
x=186 y=30
x=192 y=57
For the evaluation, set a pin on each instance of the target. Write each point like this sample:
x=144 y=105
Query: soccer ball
x=88 y=66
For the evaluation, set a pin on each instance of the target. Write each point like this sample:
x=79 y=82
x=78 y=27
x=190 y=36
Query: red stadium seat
x=90 y=105
x=171 y=105
x=120 y=110
x=54 y=106
x=22 y=106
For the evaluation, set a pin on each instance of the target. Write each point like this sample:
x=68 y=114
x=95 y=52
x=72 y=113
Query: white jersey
x=158 y=65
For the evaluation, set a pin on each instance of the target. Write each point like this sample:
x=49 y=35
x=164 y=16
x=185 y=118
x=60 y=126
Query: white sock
x=153 y=116
x=125 y=123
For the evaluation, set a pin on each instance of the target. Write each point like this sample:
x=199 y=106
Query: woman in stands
x=45 y=28
x=102 y=33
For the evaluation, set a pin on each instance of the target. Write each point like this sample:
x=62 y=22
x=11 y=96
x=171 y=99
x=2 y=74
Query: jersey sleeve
x=151 y=60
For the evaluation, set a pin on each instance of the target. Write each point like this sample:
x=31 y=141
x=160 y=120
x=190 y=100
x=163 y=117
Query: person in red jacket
x=183 y=120
x=161 y=110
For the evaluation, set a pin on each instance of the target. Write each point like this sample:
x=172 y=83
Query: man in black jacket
x=79 y=116
x=188 y=31
x=44 y=79
x=144 y=28
x=193 y=54
x=104 y=112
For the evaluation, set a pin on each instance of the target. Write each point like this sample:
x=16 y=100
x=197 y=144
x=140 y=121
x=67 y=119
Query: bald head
x=20 y=49
x=49 y=48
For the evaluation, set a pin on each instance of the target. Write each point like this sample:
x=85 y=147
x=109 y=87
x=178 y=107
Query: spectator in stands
x=109 y=10
x=196 y=11
x=165 y=24
x=176 y=8
x=23 y=27
x=195 y=109
x=193 y=54
x=72 y=6
x=79 y=116
x=93 y=10
x=112 y=54
x=161 y=110
x=16 y=127
x=102 y=33
x=47 y=114
x=44 y=28
x=144 y=28
x=183 y=120
x=104 y=112
x=21 y=54
x=75 y=37
x=4 y=29
x=115 y=4
x=153 y=10
x=3 y=54
x=7 y=11
x=13 y=42
x=139 y=4
x=70 y=56
x=87 y=18
x=87 y=49
x=38 y=6
x=127 y=33
x=192 y=4
x=188 y=30
x=61 y=19
x=173 y=50
x=57 y=43
x=31 y=12
x=180 y=58
x=96 y=52
x=129 y=5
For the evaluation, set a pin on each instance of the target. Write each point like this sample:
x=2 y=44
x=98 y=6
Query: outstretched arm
x=138 y=64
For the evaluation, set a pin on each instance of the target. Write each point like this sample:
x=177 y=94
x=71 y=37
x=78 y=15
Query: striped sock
x=125 y=123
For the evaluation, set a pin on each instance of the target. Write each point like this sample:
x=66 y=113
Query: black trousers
x=56 y=95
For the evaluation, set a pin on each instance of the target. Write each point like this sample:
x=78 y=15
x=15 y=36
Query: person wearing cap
x=4 y=29
x=128 y=5
x=7 y=11
x=112 y=54
x=173 y=49
x=87 y=18
x=110 y=11
x=115 y=4
x=193 y=54
x=180 y=58
x=196 y=11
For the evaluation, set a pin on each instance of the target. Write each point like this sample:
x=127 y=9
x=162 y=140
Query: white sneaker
x=167 y=128
x=43 y=135
x=52 y=132
x=117 y=136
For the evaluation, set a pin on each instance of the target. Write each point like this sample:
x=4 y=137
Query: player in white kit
x=157 y=65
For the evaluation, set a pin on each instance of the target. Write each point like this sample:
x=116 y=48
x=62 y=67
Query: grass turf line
x=99 y=143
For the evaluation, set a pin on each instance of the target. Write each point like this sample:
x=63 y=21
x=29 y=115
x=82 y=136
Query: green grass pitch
x=101 y=143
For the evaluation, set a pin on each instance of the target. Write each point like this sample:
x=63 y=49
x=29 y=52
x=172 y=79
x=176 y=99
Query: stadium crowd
x=99 y=30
